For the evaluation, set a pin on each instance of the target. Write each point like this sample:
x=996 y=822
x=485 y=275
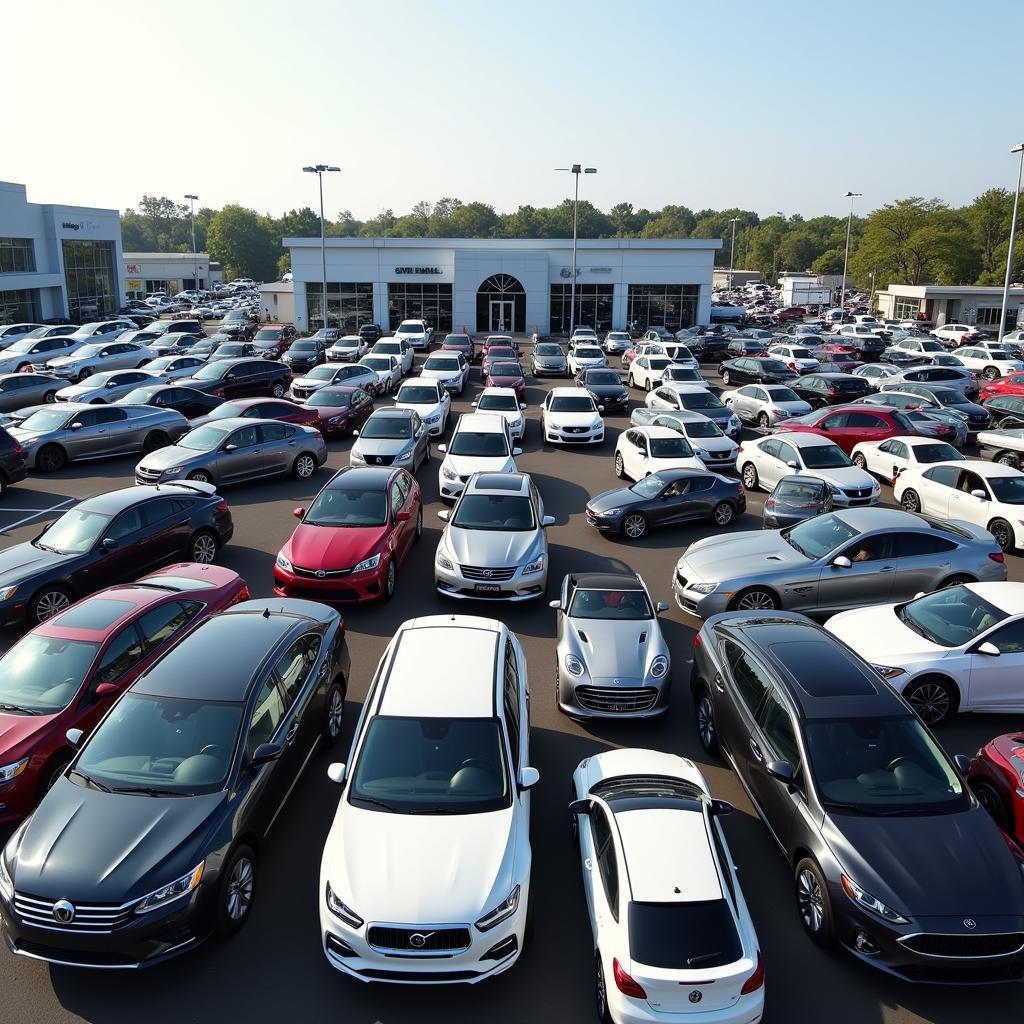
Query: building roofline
x=924 y=291
x=166 y=255
x=649 y=244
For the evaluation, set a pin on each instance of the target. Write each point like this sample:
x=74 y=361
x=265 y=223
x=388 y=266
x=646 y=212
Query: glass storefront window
x=906 y=309
x=19 y=306
x=593 y=307
x=349 y=305
x=91 y=281
x=673 y=306
x=429 y=302
x=501 y=305
x=17 y=256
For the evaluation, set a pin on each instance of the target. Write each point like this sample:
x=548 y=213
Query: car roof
x=606 y=580
x=503 y=483
x=799 y=439
x=982 y=468
x=1007 y=595
x=100 y=614
x=562 y=392
x=359 y=476
x=112 y=502
x=488 y=422
x=494 y=389
x=392 y=413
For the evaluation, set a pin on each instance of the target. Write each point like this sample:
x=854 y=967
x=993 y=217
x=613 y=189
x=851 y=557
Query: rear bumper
x=747 y=1009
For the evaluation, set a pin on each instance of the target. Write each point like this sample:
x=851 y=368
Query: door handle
x=588 y=864
x=756 y=750
x=292 y=731
x=887 y=568
x=291 y=444
x=719 y=684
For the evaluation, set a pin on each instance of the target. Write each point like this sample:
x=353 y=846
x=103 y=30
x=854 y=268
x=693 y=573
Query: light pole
x=846 y=259
x=319 y=170
x=576 y=170
x=195 y=267
x=732 y=250
x=1009 y=253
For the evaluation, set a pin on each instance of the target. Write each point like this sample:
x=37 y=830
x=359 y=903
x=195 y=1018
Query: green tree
x=474 y=220
x=304 y=223
x=244 y=243
x=381 y=226
x=829 y=262
x=671 y=222
x=989 y=219
x=346 y=226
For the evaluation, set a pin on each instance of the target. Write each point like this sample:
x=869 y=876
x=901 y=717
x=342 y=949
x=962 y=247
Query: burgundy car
x=505 y=375
x=461 y=343
x=849 y=425
x=263 y=409
x=65 y=673
x=273 y=340
x=839 y=361
x=997 y=777
x=790 y=313
x=498 y=354
x=340 y=409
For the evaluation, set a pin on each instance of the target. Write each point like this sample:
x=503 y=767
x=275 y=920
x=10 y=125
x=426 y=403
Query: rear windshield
x=683 y=936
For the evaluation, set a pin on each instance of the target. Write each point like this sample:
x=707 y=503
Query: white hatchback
x=641 y=451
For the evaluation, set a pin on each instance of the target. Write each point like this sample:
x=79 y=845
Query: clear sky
x=764 y=106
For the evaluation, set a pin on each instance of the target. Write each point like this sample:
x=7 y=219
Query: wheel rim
x=634 y=527
x=50 y=461
x=50 y=603
x=419 y=523
x=705 y=722
x=240 y=889
x=749 y=478
x=725 y=377
x=812 y=908
x=204 y=549
x=335 y=713
x=723 y=514
x=930 y=701
x=1002 y=534
x=601 y=1004
x=763 y=420
x=278 y=390
x=618 y=465
x=756 y=600
x=203 y=478
x=859 y=460
x=1008 y=460
x=910 y=501
x=391 y=578
x=306 y=466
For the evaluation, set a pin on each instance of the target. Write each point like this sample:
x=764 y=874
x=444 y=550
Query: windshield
x=44 y=419
x=161 y=364
x=226 y=409
x=140 y=396
x=389 y=348
x=89 y=350
x=203 y=439
x=699 y=400
x=603 y=377
x=572 y=403
x=231 y=348
x=775 y=366
x=348 y=342
x=75 y=532
x=441 y=363
x=670 y=447
x=1007 y=489
x=431 y=766
x=163 y=743
x=325 y=398
x=702 y=428
x=682 y=373
x=211 y=371
x=549 y=350
x=824 y=456
x=616 y=336
x=688 y=935
x=809 y=491
x=348 y=506
x=659 y=362
x=938 y=452
x=498 y=403
x=881 y=765
x=650 y=487
x=610 y=604
x=304 y=346
x=23 y=344
x=272 y=335
x=382 y=428
x=487 y=444
x=587 y=352
x=322 y=372
x=417 y=394
x=495 y=512
x=951 y=617
x=42 y=674
x=506 y=370
x=947 y=396
x=816 y=537
x=378 y=363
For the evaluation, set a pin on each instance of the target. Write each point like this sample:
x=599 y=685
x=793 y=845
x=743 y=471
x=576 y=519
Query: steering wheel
x=212 y=750
x=476 y=762
x=897 y=761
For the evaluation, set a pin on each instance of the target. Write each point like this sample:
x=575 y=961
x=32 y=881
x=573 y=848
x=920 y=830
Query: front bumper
x=334 y=587
x=574 y=435
x=700 y=605
x=452 y=583
x=586 y=697
x=550 y=371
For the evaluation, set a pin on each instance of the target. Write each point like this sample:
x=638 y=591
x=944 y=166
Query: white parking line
x=35 y=514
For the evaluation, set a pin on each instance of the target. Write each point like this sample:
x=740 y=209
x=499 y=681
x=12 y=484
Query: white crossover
x=641 y=451
x=480 y=443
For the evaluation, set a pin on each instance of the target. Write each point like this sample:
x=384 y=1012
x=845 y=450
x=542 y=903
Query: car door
x=739 y=691
x=299 y=679
x=869 y=579
x=240 y=457
x=601 y=859
x=888 y=459
x=270 y=782
x=124 y=653
x=997 y=683
x=168 y=522
x=419 y=432
x=923 y=560
x=775 y=739
x=782 y=461
x=280 y=444
x=634 y=455
x=237 y=382
x=748 y=402
x=130 y=554
x=684 y=500
x=89 y=435
x=964 y=502
x=934 y=488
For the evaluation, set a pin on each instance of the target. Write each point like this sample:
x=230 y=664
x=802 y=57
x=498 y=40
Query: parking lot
x=275 y=968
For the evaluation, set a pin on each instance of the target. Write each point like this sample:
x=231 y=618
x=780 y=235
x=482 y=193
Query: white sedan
x=670 y=926
x=765 y=405
x=585 y=357
x=989 y=361
x=641 y=451
x=430 y=399
x=571 y=416
x=348 y=349
x=957 y=649
x=504 y=402
x=796 y=357
x=646 y=371
x=888 y=458
x=388 y=370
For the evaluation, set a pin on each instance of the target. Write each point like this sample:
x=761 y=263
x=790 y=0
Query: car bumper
x=747 y=1009
x=550 y=371
x=584 y=697
x=451 y=583
x=617 y=408
x=700 y=605
x=334 y=589
x=560 y=435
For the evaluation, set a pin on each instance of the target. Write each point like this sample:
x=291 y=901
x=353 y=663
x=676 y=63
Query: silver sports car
x=612 y=660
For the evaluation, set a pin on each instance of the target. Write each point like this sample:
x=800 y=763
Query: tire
x=647 y=385
x=910 y=501
x=601 y=992
x=48 y=601
x=205 y=547
x=1008 y=459
x=201 y=476
x=154 y=440
x=754 y=599
x=51 y=458
x=749 y=476
x=990 y=372
x=84 y=375
x=860 y=461
x=49 y=397
x=419 y=525
x=305 y=466
x=933 y=698
x=704 y=713
x=957 y=580
x=631 y=382
x=236 y=891
x=620 y=469
x=723 y=514
x=813 y=904
x=277 y=390
x=763 y=421
x=52 y=772
x=725 y=377
x=634 y=526
x=992 y=800
x=334 y=716
x=1003 y=533
x=389 y=581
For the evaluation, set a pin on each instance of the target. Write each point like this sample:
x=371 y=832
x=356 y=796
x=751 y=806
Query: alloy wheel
x=705 y=722
x=723 y=514
x=390 y=579
x=930 y=701
x=749 y=477
x=1001 y=532
x=305 y=467
x=335 y=713
x=634 y=526
x=204 y=549
x=240 y=886
x=50 y=603
x=810 y=901
x=602 y=995
x=756 y=601
x=860 y=461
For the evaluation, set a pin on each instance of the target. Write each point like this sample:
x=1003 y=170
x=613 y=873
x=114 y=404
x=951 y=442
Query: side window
x=404 y=485
x=125 y=651
x=106 y=414
x=162 y=623
x=246 y=437
x=604 y=854
x=748 y=392
x=760 y=394
x=266 y=715
x=908 y=545
x=970 y=482
x=899 y=449
x=750 y=679
x=771 y=447
x=777 y=726
x=870 y=549
x=293 y=667
x=157 y=510
x=722 y=852
x=127 y=523
x=396 y=500
x=945 y=475
x=788 y=453
x=1009 y=639
x=275 y=431
x=837 y=420
x=889 y=447
x=511 y=702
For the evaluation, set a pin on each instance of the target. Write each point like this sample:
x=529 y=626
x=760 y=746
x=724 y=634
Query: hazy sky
x=765 y=106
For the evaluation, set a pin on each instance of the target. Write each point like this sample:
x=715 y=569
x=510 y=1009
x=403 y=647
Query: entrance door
x=502 y=316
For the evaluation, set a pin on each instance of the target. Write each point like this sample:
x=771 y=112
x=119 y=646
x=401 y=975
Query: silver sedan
x=18 y=390
x=106 y=387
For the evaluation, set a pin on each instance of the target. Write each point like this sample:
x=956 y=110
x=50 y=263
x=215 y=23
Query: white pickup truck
x=416 y=333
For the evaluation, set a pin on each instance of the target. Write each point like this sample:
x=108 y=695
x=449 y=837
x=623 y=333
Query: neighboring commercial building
x=803 y=289
x=57 y=261
x=720 y=278
x=277 y=302
x=170 y=272
x=503 y=285
x=941 y=304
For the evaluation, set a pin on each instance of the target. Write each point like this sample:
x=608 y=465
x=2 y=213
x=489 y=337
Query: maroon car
x=841 y=362
x=498 y=354
x=340 y=409
x=263 y=409
x=273 y=340
x=461 y=343
x=790 y=313
x=997 y=777
x=505 y=375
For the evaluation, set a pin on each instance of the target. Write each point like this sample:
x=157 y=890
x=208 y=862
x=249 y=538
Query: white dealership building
x=503 y=285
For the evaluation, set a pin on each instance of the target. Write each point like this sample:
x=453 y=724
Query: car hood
x=796 y=408
x=738 y=555
x=844 y=476
x=614 y=391
x=462 y=868
x=613 y=649
x=573 y=419
x=174 y=455
x=497 y=380
x=78 y=392
x=325 y=547
x=18 y=734
x=88 y=846
x=465 y=465
x=25 y=560
x=878 y=635
x=493 y=548
x=549 y=360
x=615 y=498
x=962 y=866
x=433 y=374
x=373 y=446
x=425 y=409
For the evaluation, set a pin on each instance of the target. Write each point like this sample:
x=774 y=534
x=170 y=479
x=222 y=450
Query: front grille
x=335 y=595
x=379 y=460
x=616 y=699
x=147 y=476
x=418 y=941
x=321 y=574
x=857 y=492
x=487 y=575
x=575 y=430
x=91 y=919
x=965 y=946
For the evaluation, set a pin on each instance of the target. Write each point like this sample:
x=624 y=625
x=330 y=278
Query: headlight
x=341 y=910
x=501 y=912
x=573 y=665
x=445 y=562
x=658 y=667
x=702 y=453
x=355 y=455
x=704 y=588
x=869 y=902
x=734 y=423
x=7 y=593
x=835 y=490
x=282 y=563
x=6 y=882
x=889 y=671
x=178 y=888
x=12 y=771
x=610 y=512
x=368 y=563
x=537 y=565
x=448 y=473
x=172 y=470
x=432 y=419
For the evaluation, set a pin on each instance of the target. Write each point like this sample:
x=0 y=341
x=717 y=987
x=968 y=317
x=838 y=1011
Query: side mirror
x=979 y=493
x=792 y=464
x=522 y=406
x=516 y=452
x=721 y=807
x=74 y=737
x=600 y=408
x=355 y=433
x=444 y=514
x=660 y=607
x=555 y=604
x=231 y=447
x=529 y=778
x=842 y=562
x=403 y=517
x=108 y=544
x=443 y=449
x=989 y=649
x=963 y=762
x=106 y=690
x=548 y=521
x=781 y=770
x=264 y=754
x=475 y=404
x=76 y=425
x=579 y=807
x=298 y=512
x=336 y=772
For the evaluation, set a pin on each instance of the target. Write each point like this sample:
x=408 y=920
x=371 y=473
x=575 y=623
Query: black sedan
x=605 y=387
x=1006 y=410
x=821 y=389
x=107 y=539
x=667 y=498
x=707 y=348
x=147 y=843
x=188 y=401
x=241 y=378
x=304 y=354
x=755 y=371
x=13 y=466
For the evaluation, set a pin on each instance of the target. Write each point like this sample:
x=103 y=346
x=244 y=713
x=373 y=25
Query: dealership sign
x=132 y=268
x=418 y=270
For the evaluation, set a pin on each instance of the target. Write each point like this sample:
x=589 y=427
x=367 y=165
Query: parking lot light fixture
x=732 y=250
x=1009 y=252
x=576 y=170
x=846 y=259
x=320 y=170
x=195 y=264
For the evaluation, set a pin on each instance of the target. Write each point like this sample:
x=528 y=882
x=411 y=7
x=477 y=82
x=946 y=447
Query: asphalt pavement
x=275 y=970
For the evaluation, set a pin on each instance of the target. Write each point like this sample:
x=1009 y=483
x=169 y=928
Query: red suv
x=997 y=777
x=790 y=313
x=65 y=673
x=1011 y=384
x=848 y=425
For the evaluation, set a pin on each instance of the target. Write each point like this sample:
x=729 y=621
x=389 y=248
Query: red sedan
x=66 y=672
x=997 y=777
x=832 y=347
x=263 y=409
x=350 y=543
x=790 y=313
x=506 y=375
x=1011 y=384
x=340 y=409
x=843 y=361
x=498 y=354
x=848 y=425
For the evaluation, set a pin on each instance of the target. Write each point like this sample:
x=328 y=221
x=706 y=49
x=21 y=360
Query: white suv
x=481 y=443
x=569 y=415
x=425 y=875
x=416 y=333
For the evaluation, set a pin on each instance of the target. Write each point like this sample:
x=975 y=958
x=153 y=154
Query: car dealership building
x=503 y=285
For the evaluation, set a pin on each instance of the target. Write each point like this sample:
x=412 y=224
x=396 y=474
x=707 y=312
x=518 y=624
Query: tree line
x=910 y=241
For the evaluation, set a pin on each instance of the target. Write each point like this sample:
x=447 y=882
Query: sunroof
x=95 y=613
x=821 y=669
x=500 y=481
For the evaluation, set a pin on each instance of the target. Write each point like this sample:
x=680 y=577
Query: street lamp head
x=1018 y=149
x=853 y=195
x=332 y=168
x=575 y=168
x=310 y=170
x=590 y=170
x=188 y=195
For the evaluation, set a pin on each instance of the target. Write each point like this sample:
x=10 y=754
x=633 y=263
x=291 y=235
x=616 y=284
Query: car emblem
x=320 y=573
x=419 y=939
x=696 y=996
x=379 y=460
x=64 y=911
x=616 y=682
x=487 y=573
x=970 y=923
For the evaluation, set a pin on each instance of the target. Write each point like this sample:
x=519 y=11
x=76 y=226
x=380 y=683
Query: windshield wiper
x=46 y=547
x=840 y=805
x=920 y=630
x=375 y=802
x=148 y=791
x=89 y=780
x=19 y=709
x=690 y=960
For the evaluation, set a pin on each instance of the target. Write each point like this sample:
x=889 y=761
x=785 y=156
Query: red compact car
x=66 y=672
x=340 y=409
x=498 y=354
x=832 y=347
x=506 y=375
x=997 y=777
x=790 y=313
x=1011 y=384
x=351 y=541
x=848 y=425
x=262 y=409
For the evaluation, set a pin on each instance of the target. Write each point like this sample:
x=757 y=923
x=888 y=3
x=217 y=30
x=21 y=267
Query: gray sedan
x=234 y=450
x=106 y=387
x=57 y=434
x=391 y=437
x=938 y=376
x=832 y=562
x=94 y=358
x=549 y=360
x=174 y=367
x=20 y=389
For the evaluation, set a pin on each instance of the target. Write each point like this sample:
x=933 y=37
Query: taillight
x=770 y=503
x=833 y=393
x=997 y=556
x=697 y=642
x=756 y=980
x=740 y=451
x=243 y=594
x=625 y=984
x=222 y=505
x=740 y=486
x=18 y=450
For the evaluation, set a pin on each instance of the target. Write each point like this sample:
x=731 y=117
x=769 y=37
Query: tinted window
x=908 y=545
x=683 y=936
x=267 y=714
x=294 y=666
x=777 y=726
x=942 y=475
x=275 y=431
x=604 y=852
x=511 y=703
x=127 y=523
x=162 y=623
x=126 y=650
x=750 y=679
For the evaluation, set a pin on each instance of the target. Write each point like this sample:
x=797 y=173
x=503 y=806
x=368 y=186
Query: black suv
x=707 y=348
x=821 y=389
x=370 y=333
x=241 y=378
x=892 y=857
x=755 y=371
